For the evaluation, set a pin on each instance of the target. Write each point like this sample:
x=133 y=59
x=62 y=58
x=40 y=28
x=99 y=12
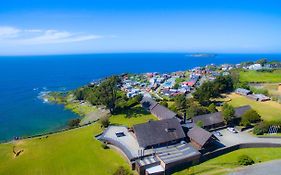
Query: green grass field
x=80 y=109
x=70 y=152
x=134 y=116
x=77 y=152
x=228 y=162
x=261 y=77
x=269 y=111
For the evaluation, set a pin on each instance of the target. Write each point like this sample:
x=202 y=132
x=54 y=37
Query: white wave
x=42 y=96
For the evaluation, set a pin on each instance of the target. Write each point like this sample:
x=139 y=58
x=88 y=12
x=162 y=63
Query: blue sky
x=98 y=26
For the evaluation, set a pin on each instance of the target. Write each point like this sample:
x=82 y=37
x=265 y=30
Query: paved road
x=267 y=168
x=229 y=138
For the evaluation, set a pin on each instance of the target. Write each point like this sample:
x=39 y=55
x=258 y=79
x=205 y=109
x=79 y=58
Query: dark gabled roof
x=239 y=111
x=162 y=112
x=199 y=135
x=209 y=119
x=158 y=132
x=156 y=109
x=216 y=118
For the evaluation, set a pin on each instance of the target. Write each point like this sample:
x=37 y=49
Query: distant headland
x=207 y=55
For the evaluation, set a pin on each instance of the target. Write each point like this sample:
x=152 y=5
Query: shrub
x=212 y=108
x=245 y=122
x=176 y=86
x=259 y=90
x=245 y=160
x=164 y=103
x=74 y=122
x=104 y=121
x=228 y=113
x=105 y=146
x=261 y=128
x=250 y=116
x=122 y=171
x=199 y=123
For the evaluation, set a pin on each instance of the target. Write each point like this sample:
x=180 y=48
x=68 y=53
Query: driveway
x=270 y=168
x=230 y=139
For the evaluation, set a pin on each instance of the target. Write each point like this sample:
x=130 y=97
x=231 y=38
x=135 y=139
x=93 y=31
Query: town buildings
x=161 y=146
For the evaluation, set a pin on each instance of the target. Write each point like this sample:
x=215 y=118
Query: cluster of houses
x=167 y=84
x=251 y=95
x=258 y=66
x=158 y=147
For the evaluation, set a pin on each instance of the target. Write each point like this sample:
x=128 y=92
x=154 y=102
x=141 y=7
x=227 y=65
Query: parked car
x=231 y=129
x=217 y=133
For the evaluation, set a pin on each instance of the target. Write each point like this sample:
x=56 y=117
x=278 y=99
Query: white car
x=231 y=129
x=217 y=133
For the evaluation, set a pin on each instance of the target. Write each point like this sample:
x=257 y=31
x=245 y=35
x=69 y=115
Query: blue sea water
x=23 y=78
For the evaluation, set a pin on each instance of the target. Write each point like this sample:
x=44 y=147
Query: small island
x=202 y=55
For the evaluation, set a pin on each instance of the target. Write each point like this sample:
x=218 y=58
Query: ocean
x=23 y=79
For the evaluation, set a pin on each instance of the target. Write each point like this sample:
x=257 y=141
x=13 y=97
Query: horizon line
x=139 y=52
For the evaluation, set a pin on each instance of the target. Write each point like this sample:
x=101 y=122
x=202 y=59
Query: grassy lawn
x=131 y=117
x=272 y=88
x=261 y=77
x=270 y=110
x=81 y=109
x=70 y=152
x=226 y=163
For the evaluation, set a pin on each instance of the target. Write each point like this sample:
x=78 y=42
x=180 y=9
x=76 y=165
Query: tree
x=122 y=171
x=194 y=109
x=262 y=61
x=235 y=76
x=228 y=113
x=180 y=103
x=107 y=92
x=213 y=89
x=250 y=116
x=212 y=108
x=205 y=92
x=223 y=84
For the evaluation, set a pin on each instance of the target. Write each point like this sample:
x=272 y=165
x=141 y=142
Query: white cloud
x=11 y=35
x=8 y=32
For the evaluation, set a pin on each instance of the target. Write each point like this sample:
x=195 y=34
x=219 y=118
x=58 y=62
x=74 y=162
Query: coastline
x=21 y=98
x=43 y=134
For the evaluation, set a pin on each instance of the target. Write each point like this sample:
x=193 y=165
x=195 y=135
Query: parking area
x=229 y=138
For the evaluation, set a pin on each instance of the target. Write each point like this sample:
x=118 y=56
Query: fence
x=49 y=133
